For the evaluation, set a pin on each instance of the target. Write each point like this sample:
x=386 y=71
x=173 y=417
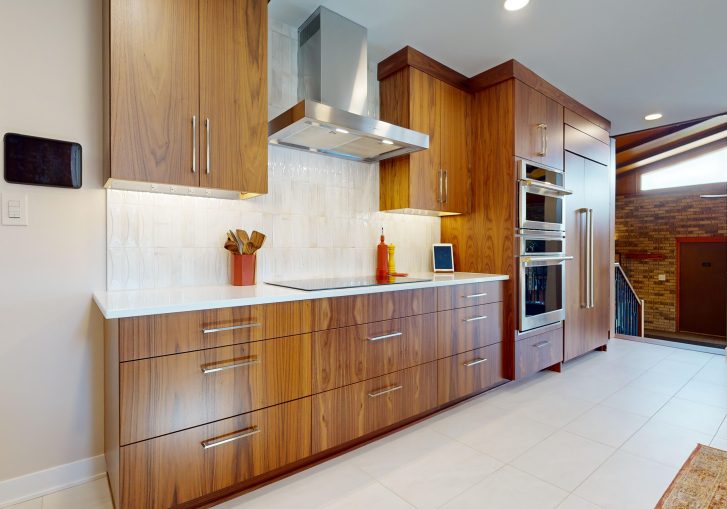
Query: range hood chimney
x=333 y=92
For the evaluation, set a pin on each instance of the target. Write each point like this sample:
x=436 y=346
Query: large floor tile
x=509 y=488
x=607 y=425
x=690 y=414
x=430 y=476
x=563 y=459
x=366 y=497
x=719 y=443
x=554 y=409
x=705 y=392
x=91 y=495
x=502 y=434
x=637 y=400
x=658 y=381
x=691 y=356
x=715 y=373
x=575 y=502
x=311 y=489
x=663 y=442
x=626 y=481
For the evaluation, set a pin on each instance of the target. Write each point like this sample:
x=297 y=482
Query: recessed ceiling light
x=342 y=131
x=653 y=116
x=387 y=142
x=515 y=5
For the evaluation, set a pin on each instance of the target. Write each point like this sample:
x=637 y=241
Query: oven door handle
x=556 y=190
x=534 y=261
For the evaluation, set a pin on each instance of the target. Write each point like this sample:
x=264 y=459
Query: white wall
x=51 y=369
x=321 y=214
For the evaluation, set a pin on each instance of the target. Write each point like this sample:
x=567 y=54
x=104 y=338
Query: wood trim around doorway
x=687 y=240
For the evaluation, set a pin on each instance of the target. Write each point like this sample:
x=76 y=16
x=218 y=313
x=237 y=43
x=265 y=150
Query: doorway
x=702 y=286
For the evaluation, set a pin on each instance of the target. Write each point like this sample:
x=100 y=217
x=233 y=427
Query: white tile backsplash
x=320 y=214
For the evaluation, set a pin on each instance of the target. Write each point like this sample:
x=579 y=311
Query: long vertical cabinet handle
x=194 y=143
x=543 y=139
x=446 y=186
x=584 y=257
x=208 y=128
x=440 y=194
x=591 y=293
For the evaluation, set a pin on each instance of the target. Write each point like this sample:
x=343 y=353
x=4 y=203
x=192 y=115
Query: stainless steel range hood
x=331 y=117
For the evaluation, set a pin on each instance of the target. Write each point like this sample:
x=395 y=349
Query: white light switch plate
x=15 y=209
x=662 y=277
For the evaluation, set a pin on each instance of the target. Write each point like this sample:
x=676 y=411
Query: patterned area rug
x=700 y=484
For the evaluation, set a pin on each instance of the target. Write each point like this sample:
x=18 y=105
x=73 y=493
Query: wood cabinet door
x=586 y=328
x=154 y=89
x=538 y=127
x=425 y=165
x=452 y=107
x=575 y=242
x=233 y=95
x=599 y=200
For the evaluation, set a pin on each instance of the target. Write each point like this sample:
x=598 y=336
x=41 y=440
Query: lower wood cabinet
x=464 y=329
x=180 y=467
x=344 y=414
x=538 y=352
x=206 y=403
x=352 y=354
x=469 y=373
x=174 y=392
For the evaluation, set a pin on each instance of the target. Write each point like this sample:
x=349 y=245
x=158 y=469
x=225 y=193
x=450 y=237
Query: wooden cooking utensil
x=231 y=246
x=243 y=236
x=257 y=239
x=231 y=235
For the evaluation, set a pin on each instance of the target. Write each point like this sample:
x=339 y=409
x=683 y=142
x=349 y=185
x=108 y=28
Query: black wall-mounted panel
x=41 y=161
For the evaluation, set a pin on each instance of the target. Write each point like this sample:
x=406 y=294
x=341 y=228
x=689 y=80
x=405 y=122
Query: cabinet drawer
x=373 y=307
x=538 y=352
x=350 y=412
x=177 y=468
x=584 y=145
x=460 y=296
x=469 y=372
x=352 y=354
x=462 y=330
x=151 y=336
x=166 y=394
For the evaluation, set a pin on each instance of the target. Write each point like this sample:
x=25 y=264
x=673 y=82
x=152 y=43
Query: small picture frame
x=442 y=258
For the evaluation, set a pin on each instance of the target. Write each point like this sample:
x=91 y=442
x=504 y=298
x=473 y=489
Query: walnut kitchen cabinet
x=186 y=93
x=588 y=234
x=538 y=127
x=437 y=179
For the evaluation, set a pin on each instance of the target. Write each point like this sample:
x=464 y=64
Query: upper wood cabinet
x=538 y=127
x=436 y=179
x=187 y=92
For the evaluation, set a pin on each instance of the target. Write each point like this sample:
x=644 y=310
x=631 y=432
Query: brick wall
x=650 y=224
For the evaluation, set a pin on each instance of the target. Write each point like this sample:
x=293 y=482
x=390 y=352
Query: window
x=705 y=169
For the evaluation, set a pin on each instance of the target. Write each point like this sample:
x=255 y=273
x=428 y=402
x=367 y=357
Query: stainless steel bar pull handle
x=226 y=439
x=194 y=143
x=475 y=295
x=446 y=186
x=542 y=344
x=208 y=127
x=543 y=139
x=385 y=336
x=474 y=363
x=591 y=293
x=584 y=258
x=232 y=327
x=385 y=391
x=440 y=192
x=216 y=368
x=474 y=319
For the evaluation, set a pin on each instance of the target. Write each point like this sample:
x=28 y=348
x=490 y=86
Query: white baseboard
x=44 y=482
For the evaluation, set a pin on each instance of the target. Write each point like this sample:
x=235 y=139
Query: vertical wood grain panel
x=154 y=88
x=111 y=406
x=453 y=105
x=233 y=94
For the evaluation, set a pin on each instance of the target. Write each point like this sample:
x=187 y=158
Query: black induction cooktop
x=337 y=283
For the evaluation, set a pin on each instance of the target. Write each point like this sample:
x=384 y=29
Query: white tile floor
x=611 y=431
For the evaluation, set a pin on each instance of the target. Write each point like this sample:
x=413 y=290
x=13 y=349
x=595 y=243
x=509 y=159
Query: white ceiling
x=622 y=58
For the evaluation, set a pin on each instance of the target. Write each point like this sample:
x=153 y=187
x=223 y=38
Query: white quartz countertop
x=128 y=303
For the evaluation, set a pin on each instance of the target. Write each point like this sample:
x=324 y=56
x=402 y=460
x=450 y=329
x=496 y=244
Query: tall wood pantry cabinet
x=186 y=93
x=588 y=233
x=435 y=180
